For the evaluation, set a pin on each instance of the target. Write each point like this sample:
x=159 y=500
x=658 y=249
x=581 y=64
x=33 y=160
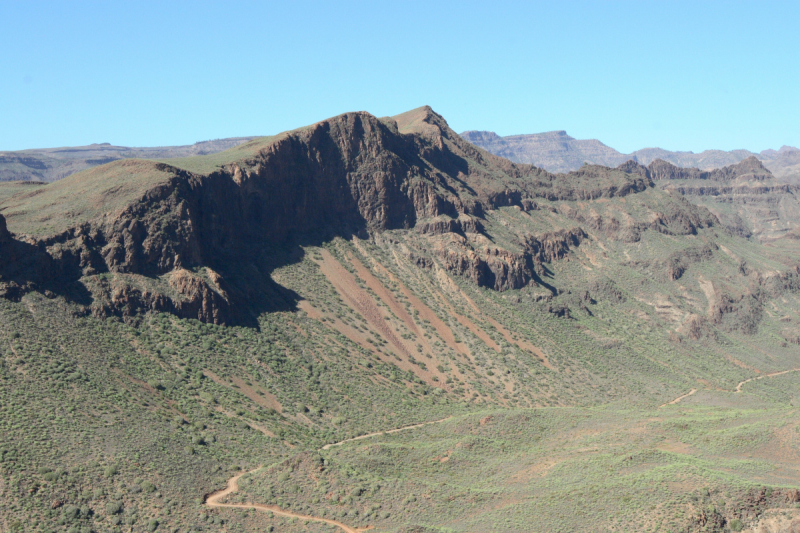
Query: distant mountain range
x=556 y=151
x=53 y=164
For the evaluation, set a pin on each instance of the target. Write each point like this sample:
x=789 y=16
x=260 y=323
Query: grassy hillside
x=593 y=352
x=52 y=209
x=601 y=469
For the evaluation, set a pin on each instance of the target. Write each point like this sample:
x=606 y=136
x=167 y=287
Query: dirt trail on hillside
x=738 y=387
x=368 y=435
x=772 y=375
x=214 y=499
x=679 y=398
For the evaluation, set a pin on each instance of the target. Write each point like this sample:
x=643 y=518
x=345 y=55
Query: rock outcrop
x=746 y=197
x=553 y=246
x=748 y=169
x=442 y=225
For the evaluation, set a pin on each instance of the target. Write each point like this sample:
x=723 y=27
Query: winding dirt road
x=679 y=398
x=772 y=375
x=233 y=485
x=215 y=498
x=738 y=387
x=368 y=435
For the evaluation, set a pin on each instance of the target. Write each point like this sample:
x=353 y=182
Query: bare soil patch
x=360 y=300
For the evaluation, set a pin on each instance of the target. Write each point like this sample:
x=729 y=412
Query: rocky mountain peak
x=634 y=167
x=751 y=165
x=204 y=231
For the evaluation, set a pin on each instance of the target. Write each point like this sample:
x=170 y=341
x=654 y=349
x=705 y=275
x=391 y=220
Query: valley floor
x=609 y=468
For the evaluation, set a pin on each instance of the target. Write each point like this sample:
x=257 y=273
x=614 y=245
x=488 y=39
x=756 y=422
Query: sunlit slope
x=90 y=195
x=366 y=274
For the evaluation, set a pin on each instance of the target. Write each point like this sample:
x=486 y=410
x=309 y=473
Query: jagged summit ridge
x=748 y=169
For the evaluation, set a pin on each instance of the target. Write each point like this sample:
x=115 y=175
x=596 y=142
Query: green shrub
x=736 y=524
x=208 y=397
x=71 y=512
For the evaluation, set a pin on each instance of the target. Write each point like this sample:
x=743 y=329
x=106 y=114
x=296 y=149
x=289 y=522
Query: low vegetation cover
x=226 y=342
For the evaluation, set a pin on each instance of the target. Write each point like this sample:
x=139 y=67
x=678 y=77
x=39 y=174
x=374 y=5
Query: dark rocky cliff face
x=202 y=245
x=22 y=265
x=5 y=236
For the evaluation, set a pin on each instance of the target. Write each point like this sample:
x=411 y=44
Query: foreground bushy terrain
x=593 y=351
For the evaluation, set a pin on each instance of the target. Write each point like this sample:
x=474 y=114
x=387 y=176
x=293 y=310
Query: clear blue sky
x=682 y=75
